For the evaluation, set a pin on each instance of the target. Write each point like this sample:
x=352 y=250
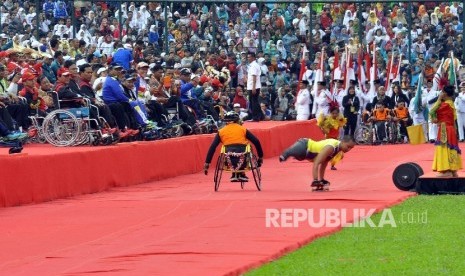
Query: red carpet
x=43 y=172
x=179 y=226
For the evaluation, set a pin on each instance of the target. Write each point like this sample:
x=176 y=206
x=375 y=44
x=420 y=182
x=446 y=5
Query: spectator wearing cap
x=142 y=87
x=64 y=90
x=187 y=96
x=122 y=56
x=31 y=94
x=113 y=94
x=101 y=75
x=94 y=57
x=47 y=68
x=112 y=90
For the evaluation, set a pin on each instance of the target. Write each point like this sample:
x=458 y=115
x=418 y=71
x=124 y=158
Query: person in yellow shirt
x=235 y=138
x=320 y=153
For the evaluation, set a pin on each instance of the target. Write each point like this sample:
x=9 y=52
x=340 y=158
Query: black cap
x=186 y=72
x=115 y=65
x=339 y=81
x=377 y=81
x=305 y=82
x=322 y=83
x=129 y=77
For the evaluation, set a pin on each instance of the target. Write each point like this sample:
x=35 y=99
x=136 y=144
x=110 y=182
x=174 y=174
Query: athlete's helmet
x=231 y=116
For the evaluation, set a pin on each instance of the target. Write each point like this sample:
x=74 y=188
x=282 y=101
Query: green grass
x=417 y=248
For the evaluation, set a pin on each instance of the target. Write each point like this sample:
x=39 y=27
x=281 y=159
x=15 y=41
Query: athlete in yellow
x=235 y=138
x=320 y=153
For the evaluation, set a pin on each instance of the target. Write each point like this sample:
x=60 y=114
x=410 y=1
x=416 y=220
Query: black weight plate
x=420 y=169
x=405 y=176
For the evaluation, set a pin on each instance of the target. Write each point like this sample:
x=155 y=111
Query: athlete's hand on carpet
x=259 y=162
x=205 y=168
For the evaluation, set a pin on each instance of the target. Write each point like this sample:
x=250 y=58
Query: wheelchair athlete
x=402 y=119
x=381 y=117
x=234 y=137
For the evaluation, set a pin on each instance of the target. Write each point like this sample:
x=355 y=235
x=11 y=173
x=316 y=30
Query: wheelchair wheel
x=85 y=137
x=61 y=128
x=257 y=176
x=363 y=135
x=392 y=133
x=218 y=172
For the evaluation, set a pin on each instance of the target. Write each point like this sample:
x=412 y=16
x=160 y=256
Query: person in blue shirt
x=122 y=56
x=113 y=95
x=60 y=10
x=188 y=97
x=48 y=7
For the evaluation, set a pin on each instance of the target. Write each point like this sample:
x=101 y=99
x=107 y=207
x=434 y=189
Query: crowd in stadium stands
x=226 y=57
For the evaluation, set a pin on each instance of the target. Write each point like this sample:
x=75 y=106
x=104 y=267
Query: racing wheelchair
x=247 y=157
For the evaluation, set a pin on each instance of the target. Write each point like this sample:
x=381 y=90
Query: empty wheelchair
x=246 y=161
x=71 y=126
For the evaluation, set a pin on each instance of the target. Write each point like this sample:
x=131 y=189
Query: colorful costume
x=447 y=152
x=331 y=126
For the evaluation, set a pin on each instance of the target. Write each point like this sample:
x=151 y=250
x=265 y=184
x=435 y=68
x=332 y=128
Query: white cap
x=103 y=69
x=142 y=64
x=237 y=105
x=193 y=76
x=177 y=66
x=80 y=62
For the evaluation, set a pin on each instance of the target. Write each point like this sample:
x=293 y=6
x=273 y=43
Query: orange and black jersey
x=381 y=115
x=401 y=113
x=233 y=134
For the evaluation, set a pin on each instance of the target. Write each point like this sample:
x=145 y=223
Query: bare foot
x=455 y=174
x=444 y=174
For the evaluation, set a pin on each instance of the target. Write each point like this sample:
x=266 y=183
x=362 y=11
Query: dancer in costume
x=447 y=155
x=332 y=124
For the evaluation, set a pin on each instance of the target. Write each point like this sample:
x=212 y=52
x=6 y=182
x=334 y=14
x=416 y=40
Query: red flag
x=302 y=68
x=367 y=65
x=388 y=75
x=336 y=65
